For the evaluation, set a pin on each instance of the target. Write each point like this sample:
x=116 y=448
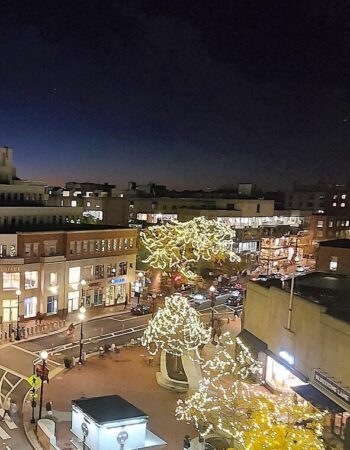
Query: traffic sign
x=34 y=381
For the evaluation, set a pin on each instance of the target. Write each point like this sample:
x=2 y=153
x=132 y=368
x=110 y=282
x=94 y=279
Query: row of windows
x=342 y=204
x=12 y=281
x=34 y=220
x=97 y=272
x=21 y=196
x=101 y=245
x=331 y=223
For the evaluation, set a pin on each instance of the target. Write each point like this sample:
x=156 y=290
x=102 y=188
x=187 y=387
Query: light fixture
x=140 y=274
x=18 y=292
x=82 y=310
x=44 y=355
x=212 y=289
x=83 y=282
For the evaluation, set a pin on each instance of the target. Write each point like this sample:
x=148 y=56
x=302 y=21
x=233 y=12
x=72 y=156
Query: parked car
x=140 y=310
x=234 y=301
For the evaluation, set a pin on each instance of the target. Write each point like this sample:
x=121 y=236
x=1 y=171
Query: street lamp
x=212 y=300
x=83 y=283
x=82 y=311
x=43 y=355
x=154 y=297
x=18 y=334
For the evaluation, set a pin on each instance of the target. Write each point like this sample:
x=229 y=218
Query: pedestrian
x=126 y=302
x=6 y=405
x=13 y=410
x=187 y=442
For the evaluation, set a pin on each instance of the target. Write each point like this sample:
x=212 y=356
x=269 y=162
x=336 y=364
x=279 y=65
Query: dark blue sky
x=187 y=93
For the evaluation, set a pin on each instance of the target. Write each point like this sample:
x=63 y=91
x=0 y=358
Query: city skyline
x=188 y=96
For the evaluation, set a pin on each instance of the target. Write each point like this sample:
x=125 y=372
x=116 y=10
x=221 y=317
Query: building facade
x=48 y=267
x=334 y=256
x=303 y=339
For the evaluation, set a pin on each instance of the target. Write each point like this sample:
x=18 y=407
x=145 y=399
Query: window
x=343 y=196
x=320 y=224
x=121 y=242
x=111 y=270
x=31 y=279
x=333 y=265
x=65 y=193
x=73 y=203
x=347 y=223
x=319 y=234
x=88 y=204
x=9 y=310
x=330 y=224
x=98 y=297
x=109 y=245
x=88 y=272
x=50 y=248
x=97 y=246
x=115 y=244
x=342 y=205
x=334 y=204
x=126 y=244
x=11 y=281
x=53 y=278
x=78 y=246
x=36 y=249
x=99 y=272
x=74 y=275
x=92 y=246
x=52 y=302
x=73 y=301
x=131 y=242
x=228 y=206
x=30 y=307
x=103 y=245
x=258 y=208
x=28 y=249
x=71 y=247
x=85 y=246
x=123 y=268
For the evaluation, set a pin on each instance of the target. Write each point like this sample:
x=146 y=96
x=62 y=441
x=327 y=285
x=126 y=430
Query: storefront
x=118 y=290
x=281 y=376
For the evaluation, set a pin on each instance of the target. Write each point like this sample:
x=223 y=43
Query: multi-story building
x=48 y=267
x=334 y=256
x=307 y=197
x=324 y=227
x=302 y=339
x=24 y=203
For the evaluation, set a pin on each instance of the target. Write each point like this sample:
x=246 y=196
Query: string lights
x=175 y=246
x=177 y=329
x=228 y=403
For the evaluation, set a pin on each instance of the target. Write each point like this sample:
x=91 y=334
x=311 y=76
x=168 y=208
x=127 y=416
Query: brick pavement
x=126 y=374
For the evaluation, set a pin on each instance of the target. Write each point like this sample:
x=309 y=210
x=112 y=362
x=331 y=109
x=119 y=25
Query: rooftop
x=336 y=243
x=109 y=408
x=331 y=291
x=13 y=229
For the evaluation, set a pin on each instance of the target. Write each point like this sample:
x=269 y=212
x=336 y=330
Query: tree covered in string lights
x=227 y=403
x=175 y=246
x=177 y=329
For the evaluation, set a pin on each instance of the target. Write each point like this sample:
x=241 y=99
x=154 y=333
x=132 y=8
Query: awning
x=254 y=344
x=317 y=399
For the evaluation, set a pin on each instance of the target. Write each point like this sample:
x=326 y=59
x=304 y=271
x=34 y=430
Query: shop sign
x=333 y=387
x=118 y=281
x=9 y=269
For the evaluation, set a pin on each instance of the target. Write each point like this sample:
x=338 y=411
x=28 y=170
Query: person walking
x=6 y=405
x=126 y=302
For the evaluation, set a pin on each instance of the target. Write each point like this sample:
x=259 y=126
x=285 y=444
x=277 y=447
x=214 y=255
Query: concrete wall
x=317 y=340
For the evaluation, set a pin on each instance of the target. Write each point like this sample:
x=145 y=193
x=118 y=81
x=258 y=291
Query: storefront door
x=120 y=293
x=110 y=295
x=10 y=310
x=73 y=301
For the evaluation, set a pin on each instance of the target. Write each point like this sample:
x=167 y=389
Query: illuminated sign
x=287 y=357
x=332 y=386
x=118 y=281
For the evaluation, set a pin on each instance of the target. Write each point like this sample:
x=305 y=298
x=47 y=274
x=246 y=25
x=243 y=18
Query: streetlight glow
x=18 y=292
x=44 y=355
x=83 y=282
x=212 y=289
x=140 y=274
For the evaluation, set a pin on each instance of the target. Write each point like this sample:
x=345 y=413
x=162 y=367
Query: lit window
x=53 y=279
x=343 y=196
x=31 y=280
x=88 y=204
x=11 y=281
x=30 y=307
x=52 y=301
x=65 y=193
x=320 y=224
x=330 y=224
x=123 y=268
x=73 y=203
x=74 y=275
x=347 y=223
x=342 y=205
x=334 y=204
x=333 y=265
x=335 y=196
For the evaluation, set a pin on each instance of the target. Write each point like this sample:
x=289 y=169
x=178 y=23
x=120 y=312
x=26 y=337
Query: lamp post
x=212 y=304
x=18 y=334
x=82 y=311
x=154 y=297
x=140 y=276
x=43 y=355
x=83 y=283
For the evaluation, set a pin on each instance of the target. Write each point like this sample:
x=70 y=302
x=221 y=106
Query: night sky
x=187 y=93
